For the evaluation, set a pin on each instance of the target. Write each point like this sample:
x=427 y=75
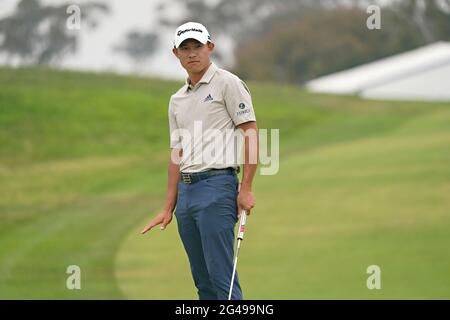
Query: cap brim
x=196 y=36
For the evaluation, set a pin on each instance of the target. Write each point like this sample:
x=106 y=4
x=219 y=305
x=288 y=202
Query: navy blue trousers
x=206 y=215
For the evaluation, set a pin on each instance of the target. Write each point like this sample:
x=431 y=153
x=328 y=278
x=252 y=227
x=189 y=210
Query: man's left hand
x=245 y=200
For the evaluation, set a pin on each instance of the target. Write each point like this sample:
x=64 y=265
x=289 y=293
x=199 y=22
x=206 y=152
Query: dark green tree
x=138 y=45
x=37 y=34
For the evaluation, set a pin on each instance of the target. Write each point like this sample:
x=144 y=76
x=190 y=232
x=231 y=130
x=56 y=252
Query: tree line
x=285 y=41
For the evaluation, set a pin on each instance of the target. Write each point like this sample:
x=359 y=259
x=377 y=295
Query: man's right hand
x=163 y=218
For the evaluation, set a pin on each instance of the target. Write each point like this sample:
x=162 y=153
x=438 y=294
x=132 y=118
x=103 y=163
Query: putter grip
x=242 y=225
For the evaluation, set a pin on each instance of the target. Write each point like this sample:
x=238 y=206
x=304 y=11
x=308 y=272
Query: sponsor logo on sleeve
x=242 y=106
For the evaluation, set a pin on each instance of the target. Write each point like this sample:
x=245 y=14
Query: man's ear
x=175 y=51
x=211 y=46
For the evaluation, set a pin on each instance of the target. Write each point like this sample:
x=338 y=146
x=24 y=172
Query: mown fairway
x=83 y=168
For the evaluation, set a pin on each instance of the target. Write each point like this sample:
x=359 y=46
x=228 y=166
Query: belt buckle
x=186 y=177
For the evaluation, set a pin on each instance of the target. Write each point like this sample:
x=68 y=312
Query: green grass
x=83 y=168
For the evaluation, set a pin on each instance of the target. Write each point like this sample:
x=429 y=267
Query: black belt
x=194 y=177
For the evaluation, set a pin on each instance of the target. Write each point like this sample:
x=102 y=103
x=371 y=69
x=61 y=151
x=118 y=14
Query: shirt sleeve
x=173 y=129
x=238 y=101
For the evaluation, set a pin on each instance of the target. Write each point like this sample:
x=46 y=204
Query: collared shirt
x=203 y=120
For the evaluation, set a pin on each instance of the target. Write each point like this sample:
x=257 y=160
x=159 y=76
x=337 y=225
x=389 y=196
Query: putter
x=240 y=237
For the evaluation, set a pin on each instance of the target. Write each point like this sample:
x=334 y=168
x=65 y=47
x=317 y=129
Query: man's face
x=194 y=55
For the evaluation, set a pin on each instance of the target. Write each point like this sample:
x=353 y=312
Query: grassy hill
x=83 y=168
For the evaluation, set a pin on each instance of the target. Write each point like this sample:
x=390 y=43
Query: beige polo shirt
x=203 y=120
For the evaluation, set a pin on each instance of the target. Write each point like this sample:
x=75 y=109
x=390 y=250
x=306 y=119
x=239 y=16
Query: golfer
x=204 y=186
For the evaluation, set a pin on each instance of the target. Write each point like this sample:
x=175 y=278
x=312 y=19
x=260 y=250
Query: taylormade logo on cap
x=191 y=30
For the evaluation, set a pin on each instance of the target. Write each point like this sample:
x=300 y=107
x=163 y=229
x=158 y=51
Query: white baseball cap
x=191 y=30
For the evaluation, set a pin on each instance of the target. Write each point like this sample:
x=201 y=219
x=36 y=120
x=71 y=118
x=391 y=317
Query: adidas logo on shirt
x=208 y=98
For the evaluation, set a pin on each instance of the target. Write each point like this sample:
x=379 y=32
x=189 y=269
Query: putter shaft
x=240 y=237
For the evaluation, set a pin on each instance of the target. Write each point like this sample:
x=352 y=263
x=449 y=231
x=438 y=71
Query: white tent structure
x=420 y=74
